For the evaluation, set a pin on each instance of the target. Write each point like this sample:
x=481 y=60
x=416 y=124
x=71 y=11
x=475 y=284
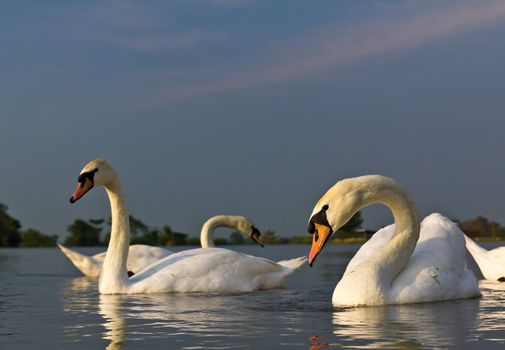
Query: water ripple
x=56 y=310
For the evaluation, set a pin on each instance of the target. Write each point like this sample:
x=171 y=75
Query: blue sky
x=254 y=108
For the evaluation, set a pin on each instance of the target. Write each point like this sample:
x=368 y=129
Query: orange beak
x=321 y=235
x=81 y=189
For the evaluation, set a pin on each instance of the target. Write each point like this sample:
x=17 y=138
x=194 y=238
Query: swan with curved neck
x=193 y=270
x=239 y=223
x=400 y=265
x=140 y=256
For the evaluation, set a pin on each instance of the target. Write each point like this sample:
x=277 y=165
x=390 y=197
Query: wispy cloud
x=328 y=47
x=133 y=25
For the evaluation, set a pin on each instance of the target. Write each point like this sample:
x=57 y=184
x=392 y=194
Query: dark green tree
x=83 y=233
x=167 y=237
x=179 y=238
x=34 y=238
x=164 y=236
x=236 y=238
x=354 y=223
x=152 y=237
x=193 y=241
x=482 y=227
x=10 y=235
x=301 y=239
x=270 y=237
x=221 y=241
x=138 y=227
x=140 y=233
x=476 y=227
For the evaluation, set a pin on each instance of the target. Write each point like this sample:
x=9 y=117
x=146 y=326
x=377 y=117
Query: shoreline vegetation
x=96 y=232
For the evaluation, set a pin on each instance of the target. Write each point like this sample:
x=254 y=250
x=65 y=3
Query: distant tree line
x=89 y=233
x=481 y=228
x=96 y=232
x=11 y=234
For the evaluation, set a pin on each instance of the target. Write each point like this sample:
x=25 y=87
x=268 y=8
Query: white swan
x=140 y=256
x=491 y=263
x=194 y=270
x=398 y=265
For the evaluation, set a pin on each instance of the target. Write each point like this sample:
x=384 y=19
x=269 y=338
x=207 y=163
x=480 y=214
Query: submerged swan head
x=96 y=173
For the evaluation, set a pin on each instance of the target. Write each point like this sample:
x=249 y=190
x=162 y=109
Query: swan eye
x=254 y=230
x=319 y=218
x=89 y=175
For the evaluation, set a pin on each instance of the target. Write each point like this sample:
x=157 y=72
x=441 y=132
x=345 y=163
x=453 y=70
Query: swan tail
x=278 y=278
x=86 y=264
x=295 y=263
x=473 y=247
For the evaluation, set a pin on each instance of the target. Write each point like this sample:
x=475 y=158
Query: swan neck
x=395 y=255
x=114 y=274
x=206 y=234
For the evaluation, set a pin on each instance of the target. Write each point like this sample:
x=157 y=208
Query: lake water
x=46 y=304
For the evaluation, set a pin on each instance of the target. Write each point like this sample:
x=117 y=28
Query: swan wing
x=437 y=269
x=370 y=247
x=100 y=256
x=141 y=256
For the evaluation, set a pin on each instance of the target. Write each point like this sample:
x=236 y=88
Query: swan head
x=256 y=236
x=335 y=208
x=96 y=173
x=248 y=227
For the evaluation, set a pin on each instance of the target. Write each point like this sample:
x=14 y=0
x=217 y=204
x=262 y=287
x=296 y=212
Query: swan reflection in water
x=457 y=323
x=491 y=316
x=81 y=298
x=210 y=320
x=114 y=323
x=280 y=316
x=414 y=326
x=160 y=315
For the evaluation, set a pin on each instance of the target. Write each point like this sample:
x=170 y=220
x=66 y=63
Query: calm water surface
x=46 y=304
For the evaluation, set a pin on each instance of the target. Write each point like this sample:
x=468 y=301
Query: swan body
x=491 y=262
x=402 y=263
x=194 y=270
x=140 y=256
x=212 y=270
